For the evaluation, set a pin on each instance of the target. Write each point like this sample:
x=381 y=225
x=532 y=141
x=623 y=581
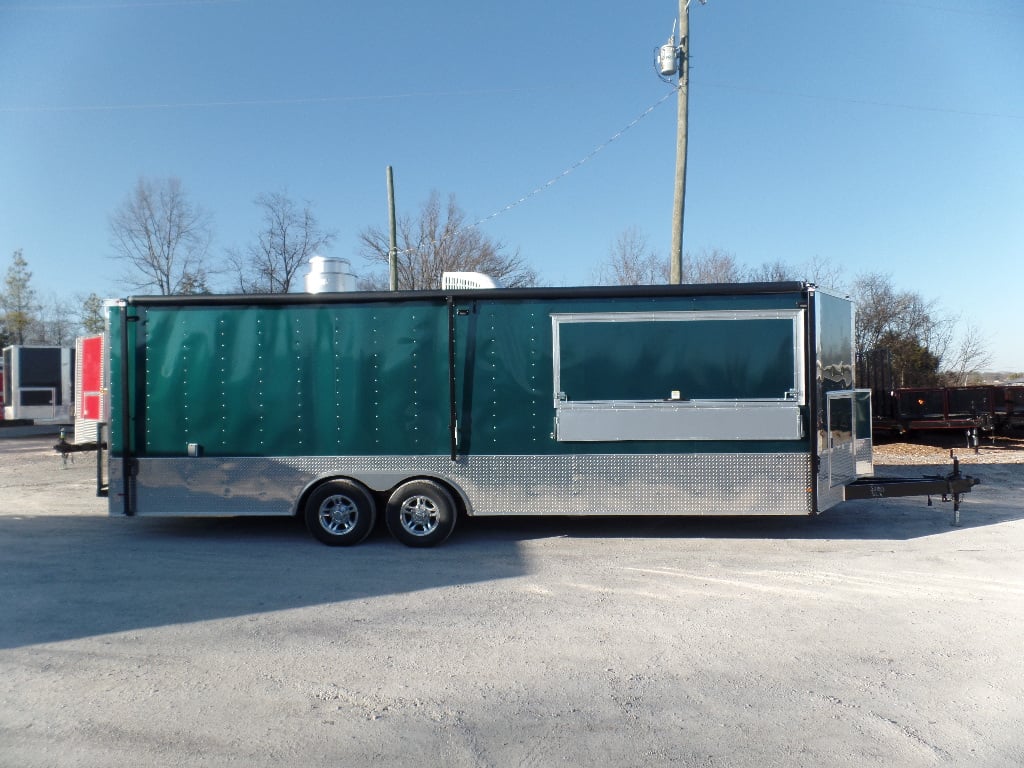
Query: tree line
x=26 y=317
x=163 y=241
x=925 y=345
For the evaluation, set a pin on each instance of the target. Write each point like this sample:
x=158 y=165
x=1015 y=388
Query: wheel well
x=300 y=504
x=461 y=504
x=380 y=498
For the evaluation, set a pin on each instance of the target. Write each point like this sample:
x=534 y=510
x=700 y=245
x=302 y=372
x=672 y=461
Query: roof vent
x=458 y=280
x=329 y=275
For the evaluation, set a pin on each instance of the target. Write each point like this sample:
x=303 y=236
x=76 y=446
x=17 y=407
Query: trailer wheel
x=340 y=513
x=420 y=513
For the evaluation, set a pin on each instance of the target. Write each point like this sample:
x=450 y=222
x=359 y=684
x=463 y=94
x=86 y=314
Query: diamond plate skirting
x=690 y=484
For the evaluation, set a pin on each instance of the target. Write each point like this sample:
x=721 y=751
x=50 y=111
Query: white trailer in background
x=39 y=383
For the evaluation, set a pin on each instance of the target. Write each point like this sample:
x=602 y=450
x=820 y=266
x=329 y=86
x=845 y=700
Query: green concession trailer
x=420 y=406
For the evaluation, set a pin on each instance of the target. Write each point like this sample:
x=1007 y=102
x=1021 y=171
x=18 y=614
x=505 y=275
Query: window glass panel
x=701 y=359
x=840 y=419
x=39 y=367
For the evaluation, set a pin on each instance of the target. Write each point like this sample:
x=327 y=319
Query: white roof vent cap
x=329 y=275
x=457 y=280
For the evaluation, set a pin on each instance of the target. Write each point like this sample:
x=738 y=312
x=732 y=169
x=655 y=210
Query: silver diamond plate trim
x=693 y=484
x=864 y=452
x=843 y=464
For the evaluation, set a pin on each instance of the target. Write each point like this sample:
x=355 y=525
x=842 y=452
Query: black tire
x=340 y=513
x=421 y=513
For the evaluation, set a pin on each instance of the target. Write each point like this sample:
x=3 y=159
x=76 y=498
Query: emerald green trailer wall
x=667 y=400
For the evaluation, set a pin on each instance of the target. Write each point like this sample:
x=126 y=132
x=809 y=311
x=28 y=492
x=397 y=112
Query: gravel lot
x=935 y=449
x=874 y=635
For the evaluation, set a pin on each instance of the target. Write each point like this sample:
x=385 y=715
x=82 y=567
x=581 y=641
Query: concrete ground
x=874 y=635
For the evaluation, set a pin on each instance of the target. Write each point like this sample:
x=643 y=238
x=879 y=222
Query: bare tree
x=823 y=272
x=58 y=322
x=884 y=311
x=19 y=303
x=631 y=262
x=819 y=271
x=969 y=355
x=773 y=272
x=287 y=239
x=910 y=327
x=711 y=266
x=163 y=238
x=24 y=319
x=438 y=241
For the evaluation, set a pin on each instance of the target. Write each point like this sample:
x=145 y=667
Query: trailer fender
x=383 y=484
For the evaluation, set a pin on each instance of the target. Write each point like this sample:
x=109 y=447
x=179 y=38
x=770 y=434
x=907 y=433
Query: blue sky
x=880 y=135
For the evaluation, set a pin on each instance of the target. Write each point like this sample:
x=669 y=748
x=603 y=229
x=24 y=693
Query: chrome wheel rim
x=338 y=514
x=419 y=515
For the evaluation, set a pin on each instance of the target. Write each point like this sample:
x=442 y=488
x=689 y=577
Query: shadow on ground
x=67 y=576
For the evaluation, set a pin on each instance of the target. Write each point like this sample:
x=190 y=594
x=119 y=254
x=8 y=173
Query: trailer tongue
x=949 y=487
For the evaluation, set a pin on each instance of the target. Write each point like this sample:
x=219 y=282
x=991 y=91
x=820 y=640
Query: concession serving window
x=701 y=375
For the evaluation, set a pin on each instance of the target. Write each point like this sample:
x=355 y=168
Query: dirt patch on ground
x=935 y=448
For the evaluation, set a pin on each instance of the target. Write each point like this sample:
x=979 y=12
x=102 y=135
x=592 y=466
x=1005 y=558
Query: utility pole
x=676 y=58
x=676 y=271
x=393 y=249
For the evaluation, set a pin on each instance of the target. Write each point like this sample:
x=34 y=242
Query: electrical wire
x=859 y=102
x=554 y=179
x=296 y=101
x=947 y=9
x=113 y=5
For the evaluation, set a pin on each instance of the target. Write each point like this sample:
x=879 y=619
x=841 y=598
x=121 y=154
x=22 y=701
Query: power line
x=114 y=6
x=554 y=179
x=215 y=104
x=948 y=9
x=862 y=102
x=338 y=99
